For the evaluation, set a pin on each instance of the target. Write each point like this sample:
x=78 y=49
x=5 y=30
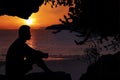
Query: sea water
x=59 y=44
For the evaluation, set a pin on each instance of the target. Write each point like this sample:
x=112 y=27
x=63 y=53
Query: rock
x=44 y=76
x=49 y=76
x=2 y=77
x=106 y=68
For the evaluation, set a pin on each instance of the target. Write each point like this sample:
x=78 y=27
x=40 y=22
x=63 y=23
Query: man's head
x=24 y=32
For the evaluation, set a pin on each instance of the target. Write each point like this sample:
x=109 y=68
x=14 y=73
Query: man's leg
x=42 y=64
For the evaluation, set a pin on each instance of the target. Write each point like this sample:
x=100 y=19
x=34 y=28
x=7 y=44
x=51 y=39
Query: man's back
x=15 y=63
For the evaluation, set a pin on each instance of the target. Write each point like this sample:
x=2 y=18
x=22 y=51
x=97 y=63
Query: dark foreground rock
x=106 y=68
x=45 y=76
x=2 y=77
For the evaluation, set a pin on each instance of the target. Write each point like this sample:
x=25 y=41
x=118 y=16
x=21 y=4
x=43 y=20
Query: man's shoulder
x=16 y=43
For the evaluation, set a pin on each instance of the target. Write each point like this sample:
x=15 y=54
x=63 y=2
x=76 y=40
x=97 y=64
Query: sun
x=29 y=21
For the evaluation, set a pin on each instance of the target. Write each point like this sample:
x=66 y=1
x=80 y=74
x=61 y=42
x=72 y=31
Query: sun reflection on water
x=31 y=42
x=52 y=59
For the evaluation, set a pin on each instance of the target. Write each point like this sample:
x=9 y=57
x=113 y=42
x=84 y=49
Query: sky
x=44 y=17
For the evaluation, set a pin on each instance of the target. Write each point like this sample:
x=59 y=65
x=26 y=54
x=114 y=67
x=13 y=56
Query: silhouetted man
x=20 y=57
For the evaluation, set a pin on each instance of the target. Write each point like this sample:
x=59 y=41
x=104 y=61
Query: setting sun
x=29 y=21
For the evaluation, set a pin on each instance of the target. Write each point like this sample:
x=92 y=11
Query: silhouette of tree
x=90 y=18
x=98 y=22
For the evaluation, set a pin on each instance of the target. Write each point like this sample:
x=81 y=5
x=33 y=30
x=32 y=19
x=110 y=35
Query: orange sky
x=44 y=17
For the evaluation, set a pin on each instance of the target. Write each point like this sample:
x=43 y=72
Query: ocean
x=60 y=44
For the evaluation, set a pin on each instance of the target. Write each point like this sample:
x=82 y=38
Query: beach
x=74 y=67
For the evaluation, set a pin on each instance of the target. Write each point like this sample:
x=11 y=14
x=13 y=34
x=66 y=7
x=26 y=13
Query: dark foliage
x=20 y=8
x=95 y=18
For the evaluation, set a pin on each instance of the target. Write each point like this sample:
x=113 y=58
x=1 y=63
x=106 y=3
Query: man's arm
x=37 y=53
